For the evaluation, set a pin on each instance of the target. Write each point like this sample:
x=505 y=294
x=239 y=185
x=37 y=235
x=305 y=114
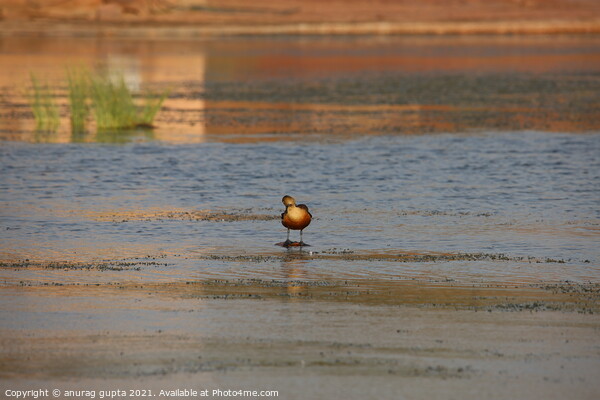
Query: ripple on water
x=524 y=194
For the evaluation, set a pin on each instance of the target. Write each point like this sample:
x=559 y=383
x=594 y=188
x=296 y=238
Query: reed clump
x=112 y=103
x=114 y=106
x=109 y=99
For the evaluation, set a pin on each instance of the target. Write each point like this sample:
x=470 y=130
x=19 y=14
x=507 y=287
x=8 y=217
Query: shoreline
x=164 y=30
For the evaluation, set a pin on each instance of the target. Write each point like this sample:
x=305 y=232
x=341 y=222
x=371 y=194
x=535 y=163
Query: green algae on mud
x=391 y=256
x=75 y=265
x=187 y=354
x=563 y=296
x=193 y=215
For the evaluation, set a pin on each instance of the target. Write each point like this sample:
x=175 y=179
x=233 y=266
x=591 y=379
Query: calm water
x=480 y=177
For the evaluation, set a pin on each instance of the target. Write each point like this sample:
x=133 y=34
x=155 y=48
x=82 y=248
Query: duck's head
x=288 y=201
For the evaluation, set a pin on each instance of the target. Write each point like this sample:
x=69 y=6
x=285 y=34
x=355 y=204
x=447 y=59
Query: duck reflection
x=294 y=272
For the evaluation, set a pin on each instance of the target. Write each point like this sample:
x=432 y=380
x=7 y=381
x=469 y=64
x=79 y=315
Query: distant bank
x=198 y=18
x=78 y=29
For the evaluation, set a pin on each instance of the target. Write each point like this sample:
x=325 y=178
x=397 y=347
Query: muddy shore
x=352 y=340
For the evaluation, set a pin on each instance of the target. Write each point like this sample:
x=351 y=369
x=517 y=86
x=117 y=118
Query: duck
x=296 y=217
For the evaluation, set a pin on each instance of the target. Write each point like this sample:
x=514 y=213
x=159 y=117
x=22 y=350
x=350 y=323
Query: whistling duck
x=296 y=217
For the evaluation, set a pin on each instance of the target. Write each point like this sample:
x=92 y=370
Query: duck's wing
x=305 y=208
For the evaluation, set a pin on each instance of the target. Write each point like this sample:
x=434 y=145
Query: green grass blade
x=151 y=107
x=78 y=85
x=44 y=107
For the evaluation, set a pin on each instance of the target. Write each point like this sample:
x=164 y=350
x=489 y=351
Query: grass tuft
x=110 y=100
x=114 y=106
x=78 y=85
x=43 y=104
x=152 y=106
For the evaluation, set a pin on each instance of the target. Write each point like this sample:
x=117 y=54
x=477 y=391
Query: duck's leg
x=301 y=241
x=287 y=241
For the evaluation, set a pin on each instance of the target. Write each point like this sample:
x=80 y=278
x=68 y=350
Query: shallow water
x=521 y=194
x=397 y=147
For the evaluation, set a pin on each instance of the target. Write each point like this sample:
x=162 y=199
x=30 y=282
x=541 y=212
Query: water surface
x=433 y=146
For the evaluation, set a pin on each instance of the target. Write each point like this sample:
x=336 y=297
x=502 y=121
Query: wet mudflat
x=412 y=339
x=454 y=184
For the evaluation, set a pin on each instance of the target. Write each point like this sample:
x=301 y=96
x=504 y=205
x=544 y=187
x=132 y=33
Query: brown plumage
x=296 y=217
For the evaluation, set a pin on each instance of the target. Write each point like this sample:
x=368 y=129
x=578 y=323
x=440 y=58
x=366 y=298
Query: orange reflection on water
x=199 y=109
